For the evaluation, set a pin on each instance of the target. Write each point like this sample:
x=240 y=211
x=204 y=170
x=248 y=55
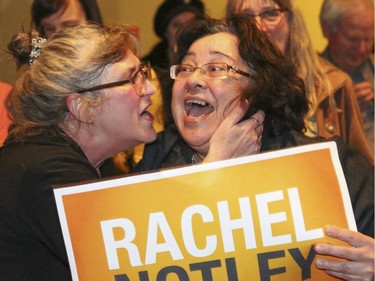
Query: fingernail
x=329 y=230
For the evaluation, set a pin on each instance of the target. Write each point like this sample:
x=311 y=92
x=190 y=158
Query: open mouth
x=147 y=115
x=198 y=108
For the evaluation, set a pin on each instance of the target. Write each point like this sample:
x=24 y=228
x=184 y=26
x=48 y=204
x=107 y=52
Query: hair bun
x=20 y=46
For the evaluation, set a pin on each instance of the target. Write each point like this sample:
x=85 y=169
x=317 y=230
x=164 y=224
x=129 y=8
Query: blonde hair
x=299 y=51
x=71 y=60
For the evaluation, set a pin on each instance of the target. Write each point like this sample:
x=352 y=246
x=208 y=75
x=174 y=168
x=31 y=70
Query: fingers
x=237 y=113
x=235 y=138
x=347 y=270
x=364 y=92
x=357 y=258
x=342 y=270
x=354 y=238
x=258 y=118
x=362 y=85
x=336 y=251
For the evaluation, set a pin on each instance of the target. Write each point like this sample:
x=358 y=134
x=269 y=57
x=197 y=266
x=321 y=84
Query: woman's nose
x=150 y=88
x=196 y=78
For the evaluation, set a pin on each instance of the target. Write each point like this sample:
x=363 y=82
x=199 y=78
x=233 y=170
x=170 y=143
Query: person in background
x=68 y=109
x=49 y=16
x=5 y=120
x=334 y=110
x=349 y=28
x=169 y=17
x=225 y=62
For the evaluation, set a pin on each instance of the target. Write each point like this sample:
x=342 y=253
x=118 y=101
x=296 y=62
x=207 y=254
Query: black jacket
x=31 y=242
x=170 y=150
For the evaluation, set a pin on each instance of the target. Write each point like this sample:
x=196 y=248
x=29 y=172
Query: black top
x=31 y=242
x=170 y=150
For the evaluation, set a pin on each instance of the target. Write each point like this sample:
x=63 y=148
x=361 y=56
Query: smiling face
x=278 y=31
x=200 y=104
x=123 y=120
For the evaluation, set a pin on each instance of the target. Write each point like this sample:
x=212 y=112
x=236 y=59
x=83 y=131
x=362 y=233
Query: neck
x=92 y=145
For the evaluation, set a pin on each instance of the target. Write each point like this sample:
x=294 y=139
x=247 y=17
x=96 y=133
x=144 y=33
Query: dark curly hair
x=276 y=88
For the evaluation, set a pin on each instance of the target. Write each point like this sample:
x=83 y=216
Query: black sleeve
x=359 y=175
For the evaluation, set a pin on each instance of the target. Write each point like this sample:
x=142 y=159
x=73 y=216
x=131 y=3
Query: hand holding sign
x=358 y=261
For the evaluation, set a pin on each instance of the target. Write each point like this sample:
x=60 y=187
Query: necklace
x=196 y=159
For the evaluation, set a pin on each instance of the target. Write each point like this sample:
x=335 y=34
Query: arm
x=351 y=122
x=358 y=256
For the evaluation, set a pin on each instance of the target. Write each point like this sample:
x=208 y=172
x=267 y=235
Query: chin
x=151 y=137
x=196 y=140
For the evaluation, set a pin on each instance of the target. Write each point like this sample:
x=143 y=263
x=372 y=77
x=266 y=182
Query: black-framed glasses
x=138 y=81
x=270 y=17
x=216 y=70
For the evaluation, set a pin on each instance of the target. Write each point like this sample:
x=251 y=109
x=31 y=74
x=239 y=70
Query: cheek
x=177 y=96
x=123 y=104
x=225 y=100
x=279 y=33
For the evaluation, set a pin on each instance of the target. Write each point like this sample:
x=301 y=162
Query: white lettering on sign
x=111 y=245
x=158 y=221
x=158 y=224
x=188 y=232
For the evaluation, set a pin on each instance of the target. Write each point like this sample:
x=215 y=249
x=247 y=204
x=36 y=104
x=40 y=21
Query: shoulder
x=51 y=158
x=336 y=76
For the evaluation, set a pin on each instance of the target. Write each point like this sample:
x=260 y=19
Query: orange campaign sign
x=250 y=218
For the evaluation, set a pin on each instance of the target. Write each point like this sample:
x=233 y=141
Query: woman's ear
x=74 y=106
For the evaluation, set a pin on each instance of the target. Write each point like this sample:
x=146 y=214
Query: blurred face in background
x=353 y=41
x=71 y=14
x=270 y=18
x=175 y=25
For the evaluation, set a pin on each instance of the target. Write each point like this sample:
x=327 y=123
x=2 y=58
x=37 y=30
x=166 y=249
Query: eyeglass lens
x=271 y=17
x=139 y=80
x=210 y=71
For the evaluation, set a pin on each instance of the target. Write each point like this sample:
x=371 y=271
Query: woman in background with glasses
x=83 y=97
x=334 y=110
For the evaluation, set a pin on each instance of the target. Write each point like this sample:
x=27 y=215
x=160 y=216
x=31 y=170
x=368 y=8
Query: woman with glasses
x=83 y=97
x=231 y=61
x=334 y=110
